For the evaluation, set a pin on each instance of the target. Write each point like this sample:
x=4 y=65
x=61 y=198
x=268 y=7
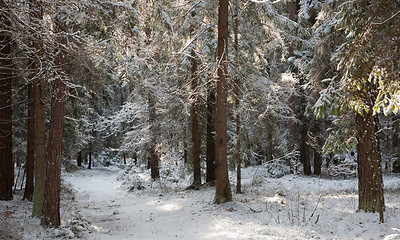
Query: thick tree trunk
x=6 y=158
x=40 y=148
x=370 y=185
x=223 y=190
x=210 y=158
x=195 y=123
x=40 y=120
x=155 y=173
x=30 y=156
x=51 y=205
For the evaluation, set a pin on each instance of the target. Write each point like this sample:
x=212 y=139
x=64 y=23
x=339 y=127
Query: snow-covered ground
x=107 y=204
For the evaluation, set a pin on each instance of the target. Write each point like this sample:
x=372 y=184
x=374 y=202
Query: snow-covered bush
x=76 y=227
x=342 y=164
x=277 y=167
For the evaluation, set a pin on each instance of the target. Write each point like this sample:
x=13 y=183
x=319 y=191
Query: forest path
x=310 y=208
x=115 y=213
x=98 y=197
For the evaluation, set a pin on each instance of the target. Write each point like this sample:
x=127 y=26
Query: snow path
x=149 y=214
x=116 y=214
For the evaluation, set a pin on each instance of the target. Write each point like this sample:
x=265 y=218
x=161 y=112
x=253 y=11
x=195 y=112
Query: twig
x=315 y=209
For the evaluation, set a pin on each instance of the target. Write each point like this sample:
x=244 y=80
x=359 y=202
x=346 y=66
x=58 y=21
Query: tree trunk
x=40 y=121
x=195 y=123
x=40 y=148
x=292 y=134
x=6 y=158
x=370 y=186
x=292 y=100
x=155 y=173
x=185 y=146
x=90 y=156
x=238 y=152
x=305 y=151
x=396 y=144
x=79 y=159
x=210 y=158
x=304 y=147
x=223 y=190
x=51 y=205
x=30 y=157
x=317 y=162
x=237 y=99
x=292 y=9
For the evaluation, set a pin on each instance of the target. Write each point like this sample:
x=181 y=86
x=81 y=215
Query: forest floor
x=104 y=204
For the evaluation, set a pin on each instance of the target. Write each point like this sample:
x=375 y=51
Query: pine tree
x=195 y=122
x=40 y=119
x=223 y=190
x=210 y=136
x=6 y=75
x=30 y=153
x=51 y=204
x=154 y=158
x=237 y=100
x=365 y=86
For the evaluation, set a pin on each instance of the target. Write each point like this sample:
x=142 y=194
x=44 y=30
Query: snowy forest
x=199 y=119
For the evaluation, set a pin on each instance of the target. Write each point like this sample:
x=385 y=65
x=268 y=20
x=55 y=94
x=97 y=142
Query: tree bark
x=195 y=123
x=31 y=123
x=317 y=162
x=210 y=158
x=6 y=157
x=30 y=157
x=370 y=185
x=51 y=205
x=292 y=9
x=304 y=147
x=40 y=120
x=155 y=172
x=237 y=99
x=40 y=148
x=223 y=190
